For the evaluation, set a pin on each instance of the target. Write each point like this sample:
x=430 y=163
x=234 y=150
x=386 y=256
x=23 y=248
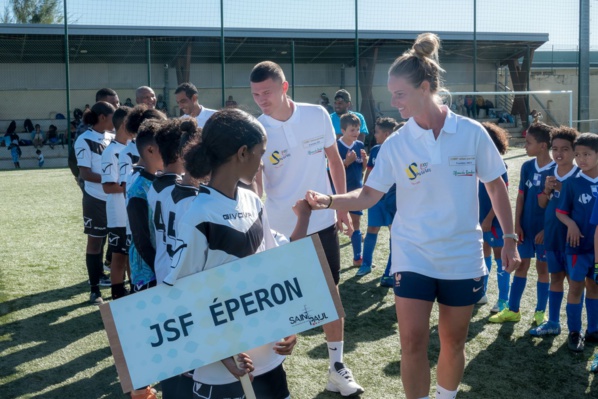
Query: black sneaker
x=575 y=342
x=95 y=298
x=591 y=337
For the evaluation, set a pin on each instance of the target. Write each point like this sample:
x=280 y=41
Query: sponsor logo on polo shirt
x=464 y=173
x=414 y=171
x=278 y=156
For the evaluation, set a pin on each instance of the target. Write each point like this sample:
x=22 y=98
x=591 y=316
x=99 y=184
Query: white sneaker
x=341 y=380
x=483 y=300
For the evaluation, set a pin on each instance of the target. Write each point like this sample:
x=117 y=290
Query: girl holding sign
x=435 y=160
x=230 y=150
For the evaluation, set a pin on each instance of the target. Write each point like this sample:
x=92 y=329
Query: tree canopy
x=33 y=12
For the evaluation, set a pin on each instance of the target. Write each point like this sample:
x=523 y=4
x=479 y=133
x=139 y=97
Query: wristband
x=330 y=203
x=511 y=236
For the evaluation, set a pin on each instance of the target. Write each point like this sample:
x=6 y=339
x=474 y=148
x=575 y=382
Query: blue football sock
x=369 y=244
x=592 y=311
x=488 y=262
x=504 y=281
x=356 y=244
x=574 y=316
x=555 y=300
x=542 y=295
x=517 y=288
x=388 y=264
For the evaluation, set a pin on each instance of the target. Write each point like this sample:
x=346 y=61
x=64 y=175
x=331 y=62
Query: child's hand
x=486 y=225
x=364 y=156
x=302 y=208
x=539 y=239
x=550 y=184
x=574 y=236
x=316 y=200
x=519 y=232
x=245 y=365
x=286 y=345
x=351 y=157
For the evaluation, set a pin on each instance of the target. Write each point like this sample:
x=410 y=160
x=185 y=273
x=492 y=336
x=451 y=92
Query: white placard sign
x=165 y=331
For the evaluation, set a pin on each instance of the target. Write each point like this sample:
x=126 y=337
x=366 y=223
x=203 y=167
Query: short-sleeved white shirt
x=89 y=147
x=294 y=162
x=435 y=231
x=116 y=211
x=203 y=116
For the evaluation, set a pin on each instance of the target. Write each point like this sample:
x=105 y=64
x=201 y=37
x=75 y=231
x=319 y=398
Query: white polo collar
x=450 y=124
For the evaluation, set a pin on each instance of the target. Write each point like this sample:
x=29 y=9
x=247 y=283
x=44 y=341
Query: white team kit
x=203 y=116
x=129 y=156
x=173 y=205
x=89 y=147
x=435 y=231
x=116 y=211
x=158 y=198
x=294 y=162
x=236 y=228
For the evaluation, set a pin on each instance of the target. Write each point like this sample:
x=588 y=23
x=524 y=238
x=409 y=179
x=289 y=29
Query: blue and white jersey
x=485 y=203
x=555 y=232
x=577 y=201
x=116 y=211
x=531 y=185
x=158 y=194
x=89 y=147
x=353 y=172
x=142 y=252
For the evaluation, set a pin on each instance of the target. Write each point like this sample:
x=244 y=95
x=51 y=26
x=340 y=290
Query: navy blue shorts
x=528 y=249
x=379 y=215
x=557 y=261
x=494 y=237
x=447 y=292
x=580 y=266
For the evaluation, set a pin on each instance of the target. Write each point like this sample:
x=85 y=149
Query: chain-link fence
x=322 y=46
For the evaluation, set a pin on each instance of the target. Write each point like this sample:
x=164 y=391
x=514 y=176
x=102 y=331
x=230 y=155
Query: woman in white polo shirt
x=435 y=160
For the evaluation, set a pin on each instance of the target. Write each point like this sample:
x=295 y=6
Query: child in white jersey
x=231 y=148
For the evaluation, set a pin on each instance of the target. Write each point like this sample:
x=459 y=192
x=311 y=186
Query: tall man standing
x=187 y=99
x=300 y=139
x=342 y=103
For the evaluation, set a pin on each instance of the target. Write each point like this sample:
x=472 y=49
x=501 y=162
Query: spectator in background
x=129 y=103
x=161 y=104
x=37 y=136
x=40 y=158
x=187 y=99
x=342 y=104
x=325 y=102
x=52 y=138
x=28 y=126
x=145 y=95
x=15 y=152
x=230 y=103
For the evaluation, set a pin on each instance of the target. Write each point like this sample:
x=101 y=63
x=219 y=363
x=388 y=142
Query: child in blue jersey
x=379 y=215
x=555 y=232
x=574 y=209
x=529 y=225
x=492 y=232
x=354 y=158
x=142 y=251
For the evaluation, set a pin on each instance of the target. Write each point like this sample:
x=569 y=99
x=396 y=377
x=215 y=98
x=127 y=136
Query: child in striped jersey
x=231 y=148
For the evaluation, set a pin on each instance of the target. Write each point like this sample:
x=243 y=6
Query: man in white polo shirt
x=186 y=99
x=300 y=140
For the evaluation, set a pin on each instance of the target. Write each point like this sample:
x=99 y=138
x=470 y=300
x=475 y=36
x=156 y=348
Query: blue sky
x=557 y=18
